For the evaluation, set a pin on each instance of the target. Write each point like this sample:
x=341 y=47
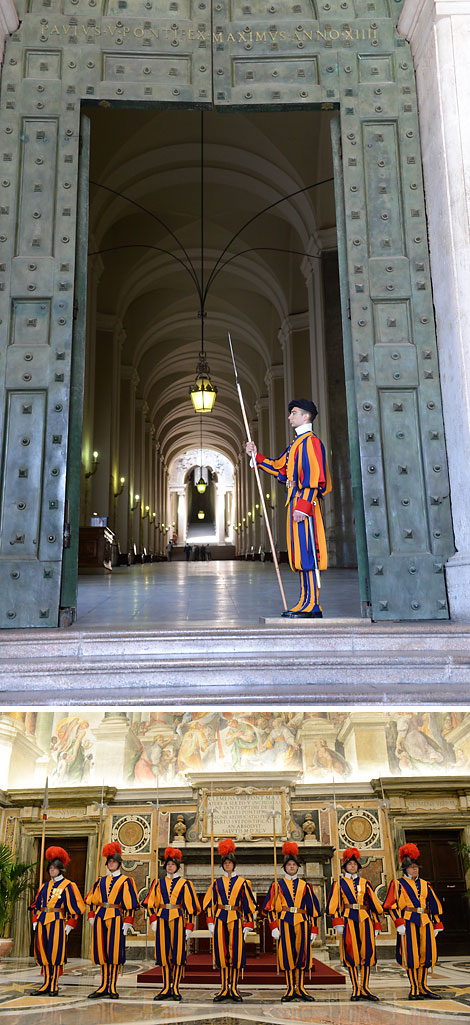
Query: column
x=439 y=34
x=364 y=737
x=125 y=512
x=109 y=339
x=139 y=466
x=254 y=497
x=95 y=270
x=262 y=409
x=181 y=516
x=115 y=745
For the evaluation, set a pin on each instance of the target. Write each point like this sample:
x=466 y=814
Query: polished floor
x=332 y=1007
x=217 y=593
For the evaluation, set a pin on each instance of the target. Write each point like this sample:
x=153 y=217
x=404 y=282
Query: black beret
x=305 y=404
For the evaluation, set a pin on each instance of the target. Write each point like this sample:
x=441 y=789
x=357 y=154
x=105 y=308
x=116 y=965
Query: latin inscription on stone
x=245 y=815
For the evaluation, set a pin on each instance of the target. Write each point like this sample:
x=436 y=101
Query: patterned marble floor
x=332 y=1007
x=219 y=593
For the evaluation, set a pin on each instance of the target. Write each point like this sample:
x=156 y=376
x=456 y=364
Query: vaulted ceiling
x=153 y=157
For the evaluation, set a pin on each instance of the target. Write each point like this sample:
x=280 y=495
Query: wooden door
x=442 y=866
x=77 y=847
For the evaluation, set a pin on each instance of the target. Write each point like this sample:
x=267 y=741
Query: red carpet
x=259 y=971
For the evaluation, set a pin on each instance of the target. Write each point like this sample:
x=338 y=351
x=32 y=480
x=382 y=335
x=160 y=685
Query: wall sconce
x=135 y=503
x=258 y=510
x=94 y=466
x=145 y=514
x=268 y=496
x=122 y=481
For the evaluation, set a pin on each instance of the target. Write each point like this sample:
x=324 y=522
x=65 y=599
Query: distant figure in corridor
x=303 y=470
x=169 y=550
x=187 y=551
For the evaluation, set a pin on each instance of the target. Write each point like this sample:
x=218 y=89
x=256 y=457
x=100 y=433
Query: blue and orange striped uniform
x=57 y=904
x=359 y=910
x=113 y=900
x=230 y=905
x=303 y=469
x=294 y=910
x=173 y=905
x=419 y=910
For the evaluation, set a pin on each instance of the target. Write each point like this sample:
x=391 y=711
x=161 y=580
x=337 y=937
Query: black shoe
x=286 y=999
x=220 y=998
x=177 y=996
x=112 y=996
x=305 y=996
x=40 y=993
x=355 y=996
x=302 y=615
x=236 y=998
x=96 y=995
x=430 y=996
x=163 y=996
x=368 y=996
x=414 y=996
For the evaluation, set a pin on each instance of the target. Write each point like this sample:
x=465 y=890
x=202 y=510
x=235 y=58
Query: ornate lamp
x=202 y=392
x=201 y=515
x=201 y=484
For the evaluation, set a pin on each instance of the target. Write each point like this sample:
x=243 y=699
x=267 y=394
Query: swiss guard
x=113 y=900
x=172 y=904
x=416 y=913
x=230 y=906
x=56 y=909
x=293 y=910
x=303 y=470
x=356 y=917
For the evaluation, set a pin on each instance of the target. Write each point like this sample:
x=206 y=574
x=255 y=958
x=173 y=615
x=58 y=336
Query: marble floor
x=332 y=1007
x=218 y=593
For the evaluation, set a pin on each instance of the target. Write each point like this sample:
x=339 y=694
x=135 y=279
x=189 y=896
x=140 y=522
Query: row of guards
x=291 y=907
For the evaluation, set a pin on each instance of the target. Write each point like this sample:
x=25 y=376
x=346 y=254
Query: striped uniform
x=112 y=900
x=294 y=911
x=419 y=910
x=302 y=467
x=229 y=947
x=359 y=911
x=57 y=904
x=172 y=903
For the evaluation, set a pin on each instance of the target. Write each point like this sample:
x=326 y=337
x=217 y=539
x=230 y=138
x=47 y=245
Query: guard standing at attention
x=230 y=906
x=56 y=909
x=356 y=917
x=173 y=905
x=302 y=468
x=415 y=911
x=293 y=910
x=113 y=900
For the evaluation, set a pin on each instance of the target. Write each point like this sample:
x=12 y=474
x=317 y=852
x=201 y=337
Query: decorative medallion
x=132 y=832
x=358 y=827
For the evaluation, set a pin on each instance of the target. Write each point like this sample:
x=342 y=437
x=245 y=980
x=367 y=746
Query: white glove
x=35 y=925
x=339 y=929
x=437 y=931
x=275 y=934
x=126 y=927
x=210 y=926
x=91 y=920
x=401 y=930
x=189 y=933
x=68 y=928
x=154 y=925
x=246 y=931
x=313 y=937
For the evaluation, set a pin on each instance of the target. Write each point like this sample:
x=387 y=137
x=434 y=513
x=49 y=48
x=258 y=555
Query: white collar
x=116 y=873
x=228 y=875
x=291 y=878
x=58 y=879
x=303 y=429
x=174 y=876
x=349 y=876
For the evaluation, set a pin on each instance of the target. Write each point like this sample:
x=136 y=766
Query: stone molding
x=274 y=374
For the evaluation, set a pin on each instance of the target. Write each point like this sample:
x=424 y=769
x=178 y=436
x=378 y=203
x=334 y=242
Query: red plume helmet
x=290 y=847
x=350 y=854
x=111 y=848
x=57 y=852
x=409 y=850
x=171 y=853
x=226 y=847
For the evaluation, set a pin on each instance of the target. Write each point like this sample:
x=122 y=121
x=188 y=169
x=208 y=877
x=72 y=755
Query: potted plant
x=15 y=880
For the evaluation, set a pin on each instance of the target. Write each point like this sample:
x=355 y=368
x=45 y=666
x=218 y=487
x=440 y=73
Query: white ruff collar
x=303 y=429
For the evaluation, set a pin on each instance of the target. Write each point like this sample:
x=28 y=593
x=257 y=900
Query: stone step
x=299 y=662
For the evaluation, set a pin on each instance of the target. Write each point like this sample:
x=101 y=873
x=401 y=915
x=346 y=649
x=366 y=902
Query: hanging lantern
x=203 y=392
x=201 y=485
x=201 y=515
